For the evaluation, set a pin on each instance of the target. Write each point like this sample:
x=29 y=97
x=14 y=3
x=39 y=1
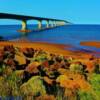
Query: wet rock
x=29 y=52
x=9 y=49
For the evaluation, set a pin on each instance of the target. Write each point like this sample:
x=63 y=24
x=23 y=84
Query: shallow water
x=69 y=34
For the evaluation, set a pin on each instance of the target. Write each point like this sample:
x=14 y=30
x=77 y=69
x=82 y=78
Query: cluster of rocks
x=46 y=75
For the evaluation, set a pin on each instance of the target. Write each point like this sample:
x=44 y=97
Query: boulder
x=33 y=87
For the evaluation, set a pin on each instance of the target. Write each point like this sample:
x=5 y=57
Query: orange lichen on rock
x=90 y=66
x=47 y=80
x=21 y=59
x=41 y=73
x=65 y=82
x=63 y=71
x=81 y=82
x=32 y=67
x=74 y=82
x=84 y=85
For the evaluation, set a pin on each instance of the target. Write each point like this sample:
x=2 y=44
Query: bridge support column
x=51 y=24
x=24 y=29
x=47 y=24
x=39 y=24
x=24 y=25
x=54 y=23
x=62 y=23
x=57 y=24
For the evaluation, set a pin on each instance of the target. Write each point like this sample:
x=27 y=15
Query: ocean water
x=69 y=34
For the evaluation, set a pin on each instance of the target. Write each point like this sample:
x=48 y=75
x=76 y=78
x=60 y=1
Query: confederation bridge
x=50 y=23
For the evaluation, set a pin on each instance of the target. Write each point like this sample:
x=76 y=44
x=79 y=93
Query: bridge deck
x=23 y=17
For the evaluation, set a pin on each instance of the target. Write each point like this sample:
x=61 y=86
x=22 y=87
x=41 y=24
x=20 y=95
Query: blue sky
x=75 y=11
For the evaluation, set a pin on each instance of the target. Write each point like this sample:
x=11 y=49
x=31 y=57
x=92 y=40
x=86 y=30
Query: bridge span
x=49 y=21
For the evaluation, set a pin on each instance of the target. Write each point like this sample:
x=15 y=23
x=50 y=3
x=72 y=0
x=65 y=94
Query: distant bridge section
x=24 y=19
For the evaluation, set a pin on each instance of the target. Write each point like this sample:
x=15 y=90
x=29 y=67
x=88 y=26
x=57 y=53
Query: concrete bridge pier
x=57 y=24
x=47 y=24
x=54 y=23
x=24 y=25
x=62 y=23
x=39 y=24
x=24 y=28
x=51 y=24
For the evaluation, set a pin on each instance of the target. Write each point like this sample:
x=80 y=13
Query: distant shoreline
x=91 y=43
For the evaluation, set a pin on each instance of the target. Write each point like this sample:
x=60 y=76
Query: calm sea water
x=69 y=34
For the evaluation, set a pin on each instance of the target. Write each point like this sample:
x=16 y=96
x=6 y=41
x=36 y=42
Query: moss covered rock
x=33 y=87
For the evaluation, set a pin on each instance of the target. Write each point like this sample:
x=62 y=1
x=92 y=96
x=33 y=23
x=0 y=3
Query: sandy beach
x=52 y=48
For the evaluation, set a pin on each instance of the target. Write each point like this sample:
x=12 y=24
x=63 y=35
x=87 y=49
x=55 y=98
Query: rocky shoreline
x=37 y=74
